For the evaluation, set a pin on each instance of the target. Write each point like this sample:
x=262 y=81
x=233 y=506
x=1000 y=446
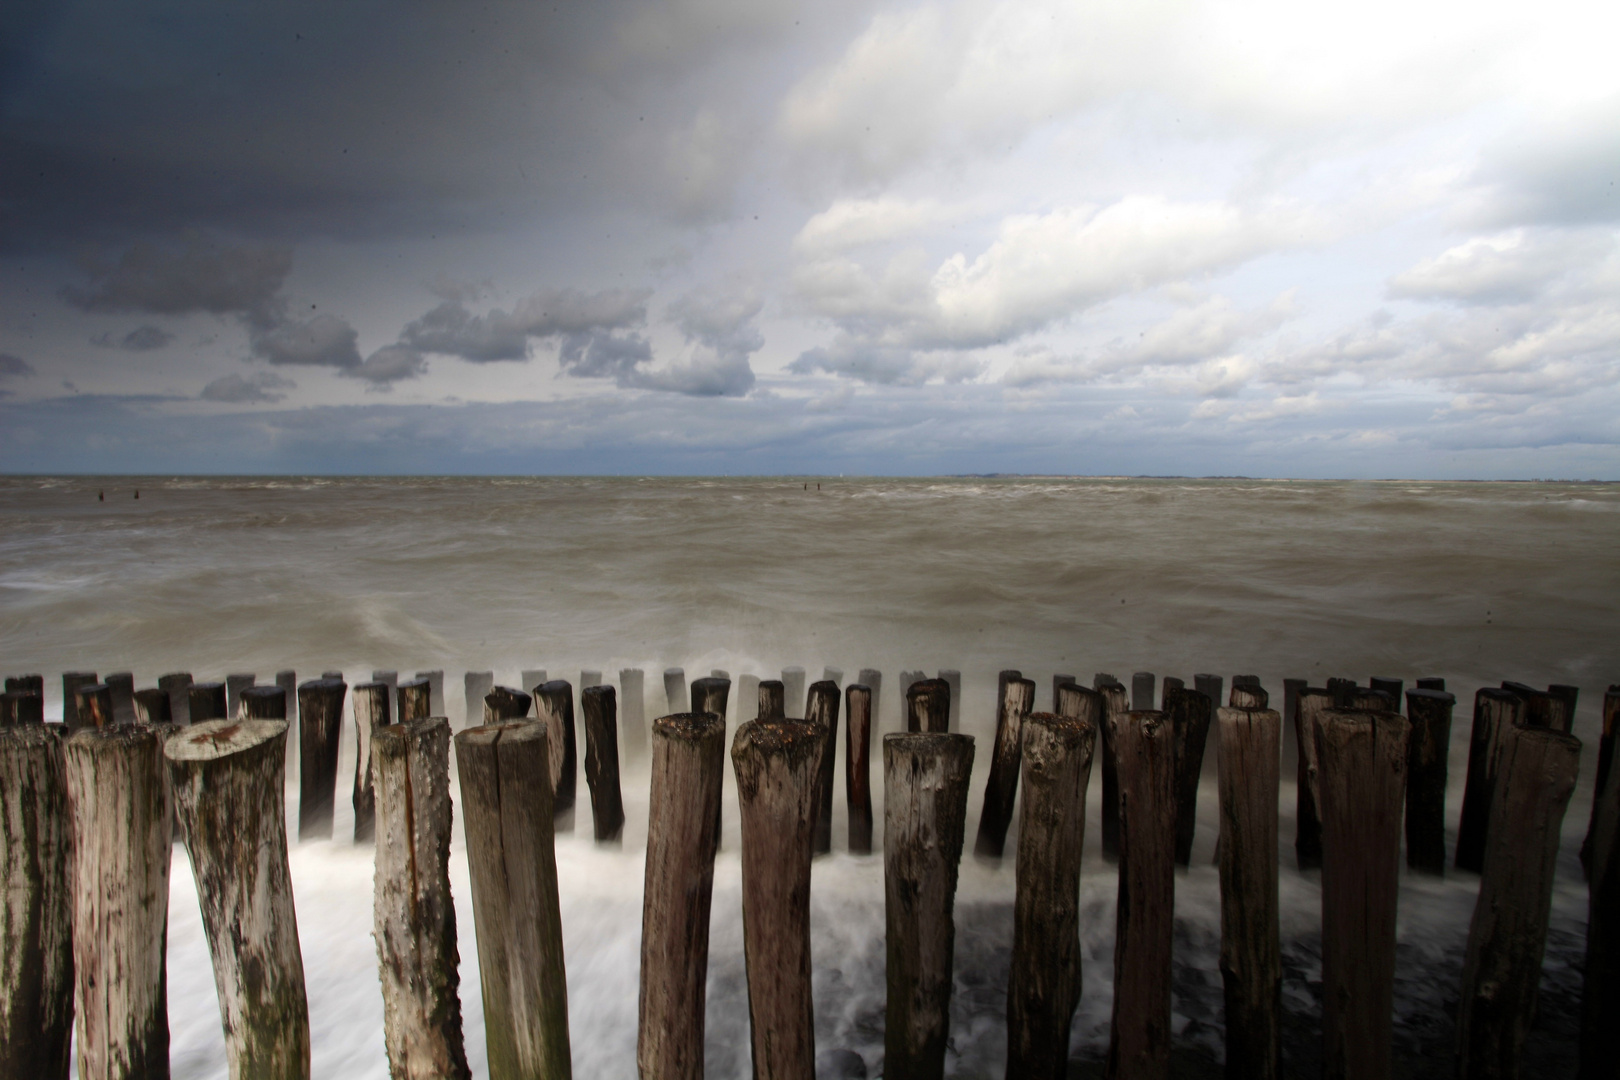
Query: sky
x=747 y=237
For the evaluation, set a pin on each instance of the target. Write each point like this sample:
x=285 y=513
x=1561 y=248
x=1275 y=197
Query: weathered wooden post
x=415 y=700
x=1502 y=968
x=554 y=706
x=601 y=709
x=288 y=681
x=1113 y=692
x=152 y=707
x=1188 y=714
x=26 y=684
x=121 y=687
x=909 y=677
x=1043 y=986
x=178 y=686
x=1313 y=704
x=1600 y=996
x=1144 y=748
x=688 y=761
x=71 y=681
x=1015 y=701
x=1495 y=712
x=371 y=712
x=778 y=762
x=1248 y=696
x=928 y=705
x=93 y=706
x=502 y=703
x=925 y=783
x=1251 y=953
x=320 y=714
x=953 y=682
x=205 y=701
x=1392 y=687
x=712 y=695
x=857 y=766
x=772 y=698
x=415 y=918
x=511 y=856
x=873 y=679
x=1429 y=712
x=633 y=712
x=1292 y=688
x=121 y=843
x=1058 y=683
x=227 y=778
x=435 y=678
x=821 y=709
x=1361 y=778
x=19 y=707
x=234 y=685
x=675 y=688
x=477 y=685
x=1430 y=684
x=1142 y=686
x=793 y=687
x=1605 y=758
x=1341 y=689
x=36 y=919
x=1570 y=696
x=264 y=703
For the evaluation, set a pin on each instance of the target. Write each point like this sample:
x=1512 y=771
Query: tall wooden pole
x=821 y=709
x=925 y=783
x=1313 y=705
x=772 y=699
x=1429 y=712
x=288 y=681
x=36 y=919
x=601 y=708
x=415 y=700
x=1016 y=699
x=1392 y=687
x=1362 y=778
x=1189 y=715
x=1248 y=696
x=414 y=915
x=228 y=794
x=778 y=762
x=712 y=695
x=928 y=705
x=436 y=703
x=554 y=707
x=1251 y=953
x=21 y=707
x=1495 y=713
x=511 y=857
x=688 y=761
x=263 y=703
x=858 y=767
x=371 y=712
x=320 y=713
x=873 y=678
x=1043 y=988
x=1117 y=705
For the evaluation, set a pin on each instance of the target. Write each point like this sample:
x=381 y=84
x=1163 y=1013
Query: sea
x=1472 y=582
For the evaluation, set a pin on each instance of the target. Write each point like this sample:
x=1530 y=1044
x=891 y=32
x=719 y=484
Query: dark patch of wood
x=772 y=698
x=1117 y=705
x=601 y=707
x=320 y=714
x=1313 y=704
x=554 y=706
x=821 y=709
x=928 y=705
x=372 y=711
x=1188 y=712
x=1428 y=747
x=415 y=700
x=1014 y=701
x=92 y=706
x=1495 y=711
x=858 y=766
x=205 y=701
x=71 y=681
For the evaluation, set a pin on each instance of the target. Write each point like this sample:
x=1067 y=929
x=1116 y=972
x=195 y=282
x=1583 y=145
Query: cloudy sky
x=739 y=236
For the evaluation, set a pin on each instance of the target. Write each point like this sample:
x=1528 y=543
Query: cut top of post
x=215 y=739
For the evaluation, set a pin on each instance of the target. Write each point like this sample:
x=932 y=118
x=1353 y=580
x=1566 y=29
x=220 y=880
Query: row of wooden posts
x=91 y=808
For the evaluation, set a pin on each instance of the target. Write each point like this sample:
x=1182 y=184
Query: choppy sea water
x=1473 y=582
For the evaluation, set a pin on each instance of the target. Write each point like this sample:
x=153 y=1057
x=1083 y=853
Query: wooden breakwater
x=88 y=807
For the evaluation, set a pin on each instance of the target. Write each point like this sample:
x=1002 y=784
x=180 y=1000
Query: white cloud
x=1511 y=267
x=850 y=223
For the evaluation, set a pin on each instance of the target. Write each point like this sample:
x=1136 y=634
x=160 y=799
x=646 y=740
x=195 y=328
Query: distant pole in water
x=1043 y=988
x=412 y=910
x=1188 y=714
x=1014 y=702
x=435 y=680
x=675 y=689
x=1117 y=705
x=371 y=714
x=777 y=763
x=320 y=714
x=506 y=795
x=925 y=783
x=1429 y=712
x=1251 y=953
x=907 y=678
x=821 y=709
x=1508 y=935
x=688 y=761
x=1312 y=706
x=772 y=699
x=178 y=687
x=1605 y=763
x=1600 y=996
x=93 y=704
x=712 y=695
x=633 y=712
x=415 y=700
x=205 y=701
x=121 y=854
x=1362 y=779
x=121 y=684
x=928 y=706
x=234 y=685
x=1142 y=686
x=1495 y=713
x=71 y=681
x=36 y=939
x=477 y=684
x=953 y=680
x=858 y=766
x=554 y=704
x=228 y=781
x=601 y=709
x=793 y=689
x=747 y=697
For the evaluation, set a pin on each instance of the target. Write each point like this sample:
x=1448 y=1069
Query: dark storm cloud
x=388 y=365
x=14 y=365
x=238 y=389
x=201 y=274
x=451 y=330
x=140 y=339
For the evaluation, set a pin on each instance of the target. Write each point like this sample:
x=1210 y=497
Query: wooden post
x=320 y=714
x=1392 y=687
x=415 y=700
x=1142 y=685
x=873 y=678
x=511 y=857
x=1430 y=684
x=554 y=706
x=1605 y=759
x=601 y=709
x=953 y=683
x=793 y=686
x=288 y=681
x=502 y=703
x=1139 y=1042
x=1058 y=683
x=1570 y=696
x=1189 y=715
x=121 y=685
x=152 y=707
x=205 y=701
x=772 y=698
x=92 y=706
x=234 y=685
x=633 y=712
x=857 y=766
x=477 y=685
x=228 y=793
x=925 y=785
x=1118 y=705
x=1600 y=996
x=36 y=919
x=675 y=688
x=821 y=709
x=264 y=703
x=19 y=707
x=383 y=675
x=1015 y=702
x=1313 y=704
x=711 y=695
x=1502 y=968
x=415 y=917
x=1292 y=688
x=778 y=762
x=1495 y=712
x=1541 y=709
x=1210 y=686
x=928 y=705
x=1429 y=712
x=71 y=681
x=435 y=680
x=371 y=713
x=1341 y=689
x=1043 y=986
x=1248 y=696
x=1251 y=953
x=688 y=761
x=1362 y=777
x=26 y=684
x=121 y=850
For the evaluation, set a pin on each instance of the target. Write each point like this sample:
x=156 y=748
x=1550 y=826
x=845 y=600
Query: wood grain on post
x=320 y=714
x=633 y=712
x=92 y=706
x=121 y=850
x=71 y=681
x=371 y=712
x=512 y=861
x=415 y=700
x=1362 y=778
x=928 y=705
x=1014 y=702
x=1570 y=696
x=1312 y=706
x=414 y=915
x=601 y=708
x=234 y=685
x=1142 y=686
x=503 y=703
x=688 y=761
x=1428 y=747
x=821 y=709
x=1189 y=715
x=1605 y=759
x=1248 y=696
x=925 y=785
x=793 y=688
x=554 y=707
x=205 y=701
x=36 y=920
x=19 y=707
x=713 y=695
x=26 y=684
x=227 y=778
x=1117 y=705
x=1541 y=709
x=1600 y=995
x=778 y=762
x=1251 y=953
x=152 y=707
x=121 y=686
x=1043 y=987
x=1495 y=713
x=436 y=701
x=1508 y=935
x=675 y=688
x=476 y=685
x=953 y=683
x=1058 y=683
x=858 y=766
x=288 y=681
x=772 y=699
x=264 y=703
x=872 y=678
